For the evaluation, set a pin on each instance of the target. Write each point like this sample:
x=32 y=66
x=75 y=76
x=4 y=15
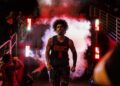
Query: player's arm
x=74 y=53
x=47 y=53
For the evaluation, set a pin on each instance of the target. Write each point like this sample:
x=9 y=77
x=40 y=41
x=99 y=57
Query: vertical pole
x=90 y=11
x=107 y=21
x=16 y=43
x=10 y=46
x=116 y=29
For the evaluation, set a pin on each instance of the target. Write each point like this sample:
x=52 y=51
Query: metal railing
x=9 y=45
x=109 y=23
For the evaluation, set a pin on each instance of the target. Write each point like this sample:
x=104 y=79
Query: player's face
x=60 y=30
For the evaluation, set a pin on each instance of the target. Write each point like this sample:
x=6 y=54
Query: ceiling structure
x=28 y=6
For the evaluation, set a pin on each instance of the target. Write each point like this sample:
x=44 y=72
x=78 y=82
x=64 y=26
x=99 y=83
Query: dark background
x=26 y=6
x=29 y=6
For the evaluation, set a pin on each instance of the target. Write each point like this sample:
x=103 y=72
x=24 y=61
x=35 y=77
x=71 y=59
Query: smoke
x=52 y=8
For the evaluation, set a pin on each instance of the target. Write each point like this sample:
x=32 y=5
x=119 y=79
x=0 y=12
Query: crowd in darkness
x=6 y=27
x=9 y=11
x=9 y=25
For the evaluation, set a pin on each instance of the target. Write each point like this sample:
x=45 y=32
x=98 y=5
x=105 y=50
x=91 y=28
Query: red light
x=97 y=52
x=97 y=24
x=27 y=50
x=29 y=20
x=97 y=56
x=29 y=24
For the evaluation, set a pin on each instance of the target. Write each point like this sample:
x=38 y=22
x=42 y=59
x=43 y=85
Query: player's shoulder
x=69 y=39
x=51 y=39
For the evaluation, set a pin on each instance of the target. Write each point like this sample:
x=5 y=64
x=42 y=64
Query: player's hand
x=49 y=67
x=73 y=69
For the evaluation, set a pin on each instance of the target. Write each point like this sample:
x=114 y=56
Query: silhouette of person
x=57 y=55
x=9 y=67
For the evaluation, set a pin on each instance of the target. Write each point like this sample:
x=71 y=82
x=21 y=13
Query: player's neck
x=61 y=38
